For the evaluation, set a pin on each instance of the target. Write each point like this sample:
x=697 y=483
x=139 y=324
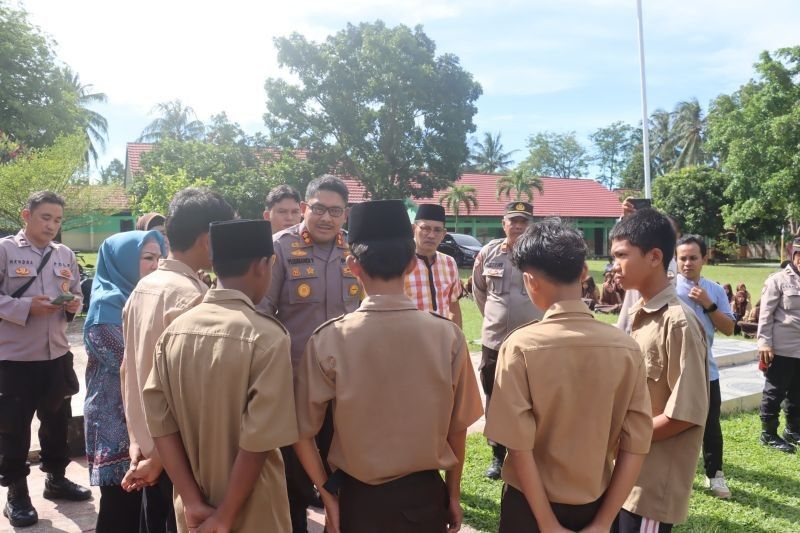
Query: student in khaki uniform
x=779 y=348
x=402 y=403
x=155 y=302
x=500 y=294
x=563 y=446
x=311 y=283
x=219 y=399
x=674 y=347
x=36 y=374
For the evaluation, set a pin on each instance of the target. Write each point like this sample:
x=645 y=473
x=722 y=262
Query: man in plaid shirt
x=434 y=284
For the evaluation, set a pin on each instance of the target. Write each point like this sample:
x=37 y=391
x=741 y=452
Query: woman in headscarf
x=123 y=259
x=150 y=221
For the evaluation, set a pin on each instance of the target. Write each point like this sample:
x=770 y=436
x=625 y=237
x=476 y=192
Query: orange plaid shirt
x=434 y=286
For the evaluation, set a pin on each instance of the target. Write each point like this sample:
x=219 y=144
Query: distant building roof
x=133 y=151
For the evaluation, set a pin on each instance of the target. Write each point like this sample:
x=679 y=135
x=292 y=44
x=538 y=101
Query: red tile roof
x=132 y=154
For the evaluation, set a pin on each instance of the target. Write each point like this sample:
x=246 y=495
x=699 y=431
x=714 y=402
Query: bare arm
x=452 y=478
x=177 y=465
x=665 y=427
x=455 y=310
x=626 y=471
x=722 y=322
x=307 y=453
x=245 y=472
x=527 y=472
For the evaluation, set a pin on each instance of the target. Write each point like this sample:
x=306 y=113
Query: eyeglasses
x=319 y=210
x=436 y=231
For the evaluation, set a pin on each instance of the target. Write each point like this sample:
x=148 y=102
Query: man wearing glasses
x=434 y=284
x=311 y=284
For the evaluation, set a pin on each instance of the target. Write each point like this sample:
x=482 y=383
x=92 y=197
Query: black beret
x=380 y=220
x=430 y=212
x=240 y=239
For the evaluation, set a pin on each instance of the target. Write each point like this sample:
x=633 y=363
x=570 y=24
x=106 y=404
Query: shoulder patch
x=273 y=319
x=328 y=323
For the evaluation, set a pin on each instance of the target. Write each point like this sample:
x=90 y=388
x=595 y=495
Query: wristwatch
x=713 y=307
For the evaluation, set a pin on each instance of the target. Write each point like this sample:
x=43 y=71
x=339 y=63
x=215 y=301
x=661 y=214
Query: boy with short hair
x=219 y=399
x=673 y=343
x=563 y=443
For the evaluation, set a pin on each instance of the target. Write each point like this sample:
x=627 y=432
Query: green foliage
x=162 y=186
x=521 y=183
x=694 y=196
x=377 y=104
x=488 y=156
x=556 y=154
x=93 y=123
x=114 y=173
x=457 y=196
x=614 y=146
x=175 y=121
x=756 y=131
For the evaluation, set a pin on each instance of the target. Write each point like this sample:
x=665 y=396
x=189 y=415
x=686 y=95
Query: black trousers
x=712 y=435
x=783 y=383
x=157 y=510
x=27 y=388
x=486 y=370
x=416 y=503
x=119 y=510
x=627 y=522
x=517 y=516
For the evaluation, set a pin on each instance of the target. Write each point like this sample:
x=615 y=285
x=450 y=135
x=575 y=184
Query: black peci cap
x=240 y=239
x=430 y=212
x=379 y=220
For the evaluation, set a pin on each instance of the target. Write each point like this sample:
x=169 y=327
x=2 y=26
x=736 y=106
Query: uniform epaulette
x=532 y=322
x=328 y=322
x=272 y=318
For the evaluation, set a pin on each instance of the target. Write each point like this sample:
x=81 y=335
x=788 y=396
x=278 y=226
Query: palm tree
x=457 y=196
x=488 y=156
x=177 y=122
x=662 y=144
x=93 y=123
x=688 y=133
x=521 y=183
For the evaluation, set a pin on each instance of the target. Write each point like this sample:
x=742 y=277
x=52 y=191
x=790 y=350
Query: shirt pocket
x=63 y=276
x=19 y=275
x=304 y=284
x=791 y=299
x=495 y=280
x=654 y=363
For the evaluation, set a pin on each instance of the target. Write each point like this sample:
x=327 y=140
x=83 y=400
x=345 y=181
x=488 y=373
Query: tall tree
x=93 y=123
x=457 y=196
x=488 y=156
x=176 y=121
x=375 y=103
x=113 y=174
x=688 y=134
x=662 y=142
x=556 y=154
x=695 y=196
x=613 y=151
x=756 y=132
x=521 y=183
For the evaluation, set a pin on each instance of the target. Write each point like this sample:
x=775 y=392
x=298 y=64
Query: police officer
x=39 y=293
x=502 y=300
x=311 y=284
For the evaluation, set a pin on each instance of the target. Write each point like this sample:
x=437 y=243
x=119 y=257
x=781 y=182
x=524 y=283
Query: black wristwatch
x=711 y=309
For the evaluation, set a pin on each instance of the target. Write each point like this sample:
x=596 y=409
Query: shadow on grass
x=480 y=512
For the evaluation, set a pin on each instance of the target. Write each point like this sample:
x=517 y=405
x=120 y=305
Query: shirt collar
x=657 y=302
x=387 y=302
x=174 y=265
x=340 y=241
x=22 y=241
x=566 y=306
x=227 y=295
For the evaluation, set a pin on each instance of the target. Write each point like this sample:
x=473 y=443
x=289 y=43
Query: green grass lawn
x=765 y=486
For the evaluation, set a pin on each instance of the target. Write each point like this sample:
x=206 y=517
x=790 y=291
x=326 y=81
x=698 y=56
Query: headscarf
x=149 y=221
x=117 y=274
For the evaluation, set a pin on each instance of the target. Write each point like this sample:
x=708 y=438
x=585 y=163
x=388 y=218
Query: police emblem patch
x=304 y=290
x=22 y=271
x=353 y=289
x=295 y=272
x=65 y=286
x=65 y=273
x=519 y=207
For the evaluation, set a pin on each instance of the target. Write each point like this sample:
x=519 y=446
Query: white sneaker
x=719 y=488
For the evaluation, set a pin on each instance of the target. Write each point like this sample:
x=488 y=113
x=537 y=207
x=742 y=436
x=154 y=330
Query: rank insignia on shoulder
x=340 y=240
x=22 y=271
x=504 y=247
x=299 y=253
x=304 y=290
x=296 y=244
x=306 y=236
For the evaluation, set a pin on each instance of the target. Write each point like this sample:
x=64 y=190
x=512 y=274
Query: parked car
x=463 y=248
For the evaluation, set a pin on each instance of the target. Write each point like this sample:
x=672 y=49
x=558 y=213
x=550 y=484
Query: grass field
x=765 y=486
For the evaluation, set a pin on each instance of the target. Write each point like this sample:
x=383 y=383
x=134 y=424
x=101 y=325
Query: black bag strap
x=19 y=292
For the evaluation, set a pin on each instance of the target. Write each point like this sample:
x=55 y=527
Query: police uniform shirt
x=500 y=294
x=674 y=347
x=571 y=390
x=34 y=338
x=396 y=396
x=779 y=315
x=222 y=378
x=311 y=283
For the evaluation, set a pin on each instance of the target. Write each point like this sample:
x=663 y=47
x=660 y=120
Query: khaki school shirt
x=400 y=381
x=34 y=338
x=157 y=300
x=572 y=390
x=500 y=294
x=779 y=317
x=674 y=347
x=223 y=379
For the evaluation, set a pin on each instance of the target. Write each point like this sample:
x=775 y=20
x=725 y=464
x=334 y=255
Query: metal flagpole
x=645 y=121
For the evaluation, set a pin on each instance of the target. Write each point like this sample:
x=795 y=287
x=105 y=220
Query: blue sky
x=566 y=65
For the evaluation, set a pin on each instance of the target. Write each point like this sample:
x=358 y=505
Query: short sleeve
x=687 y=371
x=721 y=299
x=467 y=406
x=510 y=419
x=158 y=414
x=637 y=427
x=268 y=421
x=314 y=388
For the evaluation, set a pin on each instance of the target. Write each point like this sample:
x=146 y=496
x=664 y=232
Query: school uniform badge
x=304 y=290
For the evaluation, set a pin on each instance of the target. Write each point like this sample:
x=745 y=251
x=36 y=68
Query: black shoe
x=60 y=488
x=792 y=437
x=493 y=472
x=774 y=441
x=19 y=509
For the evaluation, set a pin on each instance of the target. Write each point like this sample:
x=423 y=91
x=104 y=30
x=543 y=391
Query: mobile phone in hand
x=63 y=298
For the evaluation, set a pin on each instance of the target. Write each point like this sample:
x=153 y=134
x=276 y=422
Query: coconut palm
x=93 y=123
x=177 y=122
x=688 y=133
x=457 y=196
x=662 y=143
x=520 y=182
x=488 y=156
